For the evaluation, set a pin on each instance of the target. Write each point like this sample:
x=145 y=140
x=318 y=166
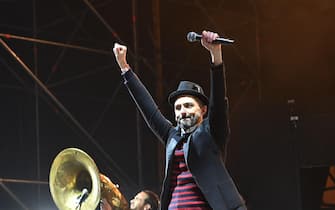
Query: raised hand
x=215 y=49
x=120 y=52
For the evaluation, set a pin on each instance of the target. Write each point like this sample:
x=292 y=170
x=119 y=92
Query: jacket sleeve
x=218 y=105
x=147 y=107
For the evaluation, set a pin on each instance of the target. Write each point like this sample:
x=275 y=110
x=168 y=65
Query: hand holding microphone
x=193 y=37
x=212 y=42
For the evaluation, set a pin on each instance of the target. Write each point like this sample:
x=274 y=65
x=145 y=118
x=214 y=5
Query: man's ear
x=147 y=207
x=204 y=109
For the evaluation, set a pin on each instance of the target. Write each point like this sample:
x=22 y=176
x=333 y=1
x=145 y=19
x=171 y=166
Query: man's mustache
x=184 y=116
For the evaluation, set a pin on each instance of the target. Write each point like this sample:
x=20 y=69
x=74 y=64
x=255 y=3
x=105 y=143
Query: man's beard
x=188 y=121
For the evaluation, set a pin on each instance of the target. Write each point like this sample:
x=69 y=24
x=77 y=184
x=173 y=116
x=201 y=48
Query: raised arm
x=218 y=105
x=142 y=98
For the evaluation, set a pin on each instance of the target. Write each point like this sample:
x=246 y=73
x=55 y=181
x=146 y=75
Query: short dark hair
x=152 y=199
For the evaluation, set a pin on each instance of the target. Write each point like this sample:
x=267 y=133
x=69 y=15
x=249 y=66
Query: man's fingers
x=209 y=36
x=119 y=49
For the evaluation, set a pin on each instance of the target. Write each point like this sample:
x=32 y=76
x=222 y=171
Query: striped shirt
x=185 y=194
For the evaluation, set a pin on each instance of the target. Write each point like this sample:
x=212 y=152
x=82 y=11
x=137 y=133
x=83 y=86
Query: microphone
x=193 y=37
x=81 y=198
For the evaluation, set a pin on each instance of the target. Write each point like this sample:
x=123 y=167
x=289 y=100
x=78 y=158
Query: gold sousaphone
x=76 y=184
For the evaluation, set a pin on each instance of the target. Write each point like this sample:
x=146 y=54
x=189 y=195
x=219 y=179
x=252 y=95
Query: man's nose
x=183 y=114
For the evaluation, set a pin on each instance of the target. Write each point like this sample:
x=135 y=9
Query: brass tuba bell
x=76 y=184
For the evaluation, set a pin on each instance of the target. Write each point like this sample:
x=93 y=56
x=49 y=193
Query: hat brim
x=175 y=94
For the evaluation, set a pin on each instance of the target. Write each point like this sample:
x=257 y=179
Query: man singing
x=195 y=175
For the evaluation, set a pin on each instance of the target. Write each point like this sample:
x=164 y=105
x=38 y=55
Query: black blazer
x=204 y=147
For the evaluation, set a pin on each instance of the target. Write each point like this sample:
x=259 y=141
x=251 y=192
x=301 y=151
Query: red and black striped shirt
x=185 y=194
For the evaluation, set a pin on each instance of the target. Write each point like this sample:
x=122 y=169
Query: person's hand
x=104 y=205
x=120 y=52
x=215 y=49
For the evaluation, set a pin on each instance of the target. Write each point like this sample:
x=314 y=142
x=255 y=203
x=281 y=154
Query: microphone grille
x=192 y=37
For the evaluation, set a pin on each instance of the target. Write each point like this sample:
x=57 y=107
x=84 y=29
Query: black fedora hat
x=188 y=88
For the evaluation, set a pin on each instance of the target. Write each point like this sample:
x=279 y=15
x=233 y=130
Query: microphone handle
x=223 y=41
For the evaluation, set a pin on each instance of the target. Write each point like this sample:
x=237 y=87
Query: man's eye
x=188 y=105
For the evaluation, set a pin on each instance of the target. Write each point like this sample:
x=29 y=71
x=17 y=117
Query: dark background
x=281 y=65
